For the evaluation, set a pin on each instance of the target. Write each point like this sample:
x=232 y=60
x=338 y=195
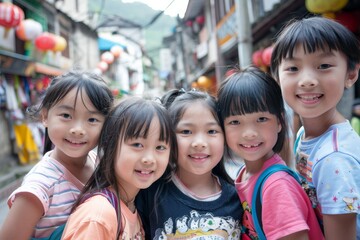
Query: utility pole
x=243 y=33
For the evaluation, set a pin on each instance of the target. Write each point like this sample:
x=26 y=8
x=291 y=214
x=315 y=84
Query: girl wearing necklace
x=198 y=198
x=134 y=150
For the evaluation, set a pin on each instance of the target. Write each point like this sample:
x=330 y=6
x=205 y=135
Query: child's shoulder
x=339 y=139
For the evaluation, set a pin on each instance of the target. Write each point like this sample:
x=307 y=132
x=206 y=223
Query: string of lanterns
x=12 y=16
x=107 y=58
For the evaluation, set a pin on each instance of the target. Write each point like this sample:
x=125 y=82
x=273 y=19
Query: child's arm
x=23 y=216
x=303 y=235
x=340 y=226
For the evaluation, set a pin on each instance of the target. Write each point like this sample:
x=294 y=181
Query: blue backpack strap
x=55 y=235
x=256 y=201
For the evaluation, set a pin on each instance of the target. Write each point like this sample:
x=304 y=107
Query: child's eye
x=137 y=145
x=324 y=66
x=292 y=69
x=212 y=132
x=262 y=119
x=65 y=115
x=161 y=148
x=234 y=122
x=93 y=120
x=186 y=132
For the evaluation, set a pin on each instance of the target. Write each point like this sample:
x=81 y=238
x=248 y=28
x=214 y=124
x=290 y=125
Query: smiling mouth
x=250 y=146
x=309 y=97
x=199 y=157
x=75 y=142
x=144 y=172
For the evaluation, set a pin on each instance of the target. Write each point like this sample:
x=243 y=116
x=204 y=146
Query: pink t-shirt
x=286 y=208
x=96 y=219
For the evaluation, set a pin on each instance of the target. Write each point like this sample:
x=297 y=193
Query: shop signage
x=16 y=66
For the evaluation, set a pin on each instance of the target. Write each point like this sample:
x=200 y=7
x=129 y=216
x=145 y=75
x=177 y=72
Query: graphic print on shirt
x=304 y=167
x=248 y=230
x=197 y=226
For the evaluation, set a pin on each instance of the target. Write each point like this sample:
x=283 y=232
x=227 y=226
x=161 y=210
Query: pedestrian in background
x=73 y=111
x=197 y=198
x=253 y=115
x=135 y=146
x=315 y=59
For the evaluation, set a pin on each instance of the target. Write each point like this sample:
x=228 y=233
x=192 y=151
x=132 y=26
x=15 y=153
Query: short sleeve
x=337 y=182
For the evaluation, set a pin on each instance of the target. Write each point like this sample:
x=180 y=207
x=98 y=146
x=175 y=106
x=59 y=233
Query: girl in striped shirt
x=72 y=111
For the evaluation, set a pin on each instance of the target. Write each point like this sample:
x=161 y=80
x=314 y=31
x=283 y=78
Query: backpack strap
x=256 y=201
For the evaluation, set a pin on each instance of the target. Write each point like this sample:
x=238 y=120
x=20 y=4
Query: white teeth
x=310 y=97
x=75 y=142
x=145 y=172
x=250 y=146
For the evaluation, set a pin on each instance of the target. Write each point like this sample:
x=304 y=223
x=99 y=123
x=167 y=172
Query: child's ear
x=44 y=117
x=352 y=76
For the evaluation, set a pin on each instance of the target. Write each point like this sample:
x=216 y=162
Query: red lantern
x=189 y=23
x=266 y=55
x=257 y=58
x=200 y=19
x=10 y=16
x=116 y=51
x=45 y=41
x=28 y=30
x=107 y=57
x=348 y=19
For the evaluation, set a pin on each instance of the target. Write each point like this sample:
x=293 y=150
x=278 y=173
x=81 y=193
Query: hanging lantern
x=266 y=55
x=257 y=58
x=28 y=30
x=103 y=66
x=348 y=19
x=194 y=85
x=204 y=82
x=230 y=72
x=60 y=44
x=200 y=19
x=10 y=16
x=323 y=6
x=189 y=23
x=107 y=57
x=45 y=41
x=116 y=50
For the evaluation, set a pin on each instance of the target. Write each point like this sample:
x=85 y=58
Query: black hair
x=93 y=85
x=249 y=91
x=131 y=118
x=177 y=101
x=314 y=33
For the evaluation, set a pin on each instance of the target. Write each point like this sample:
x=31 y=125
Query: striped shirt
x=56 y=188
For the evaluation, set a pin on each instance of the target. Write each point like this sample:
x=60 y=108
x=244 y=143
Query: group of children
x=159 y=170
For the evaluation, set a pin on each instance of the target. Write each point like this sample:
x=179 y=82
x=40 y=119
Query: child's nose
x=77 y=129
x=199 y=142
x=148 y=158
x=250 y=133
x=308 y=80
